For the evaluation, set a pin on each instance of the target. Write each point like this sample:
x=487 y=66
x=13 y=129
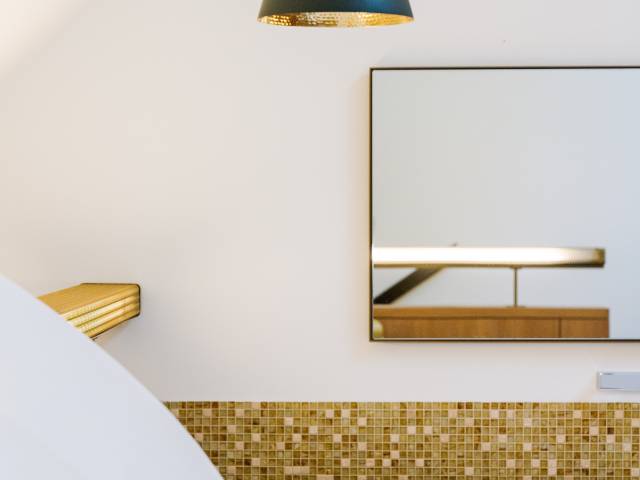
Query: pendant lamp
x=335 y=13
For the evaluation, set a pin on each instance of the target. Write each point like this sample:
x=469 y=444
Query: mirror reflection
x=503 y=203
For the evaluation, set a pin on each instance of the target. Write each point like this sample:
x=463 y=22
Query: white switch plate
x=625 y=381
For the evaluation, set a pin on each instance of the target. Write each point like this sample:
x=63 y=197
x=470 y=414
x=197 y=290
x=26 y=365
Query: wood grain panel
x=584 y=328
x=490 y=322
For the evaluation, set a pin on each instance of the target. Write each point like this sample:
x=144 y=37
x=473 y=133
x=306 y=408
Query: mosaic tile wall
x=324 y=441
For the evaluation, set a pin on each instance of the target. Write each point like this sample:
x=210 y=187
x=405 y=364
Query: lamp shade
x=335 y=13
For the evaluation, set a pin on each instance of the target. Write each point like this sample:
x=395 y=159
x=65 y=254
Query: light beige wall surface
x=222 y=164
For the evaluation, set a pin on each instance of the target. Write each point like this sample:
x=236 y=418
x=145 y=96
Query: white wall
x=25 y=25
x=223 y=165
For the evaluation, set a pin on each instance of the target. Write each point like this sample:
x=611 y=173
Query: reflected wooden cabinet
x=480 y=322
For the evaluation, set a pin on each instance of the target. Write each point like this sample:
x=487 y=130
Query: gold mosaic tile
x=361 y=441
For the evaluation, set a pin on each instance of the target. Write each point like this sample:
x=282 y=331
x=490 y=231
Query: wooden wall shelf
x=489 y=322
x=94 y=308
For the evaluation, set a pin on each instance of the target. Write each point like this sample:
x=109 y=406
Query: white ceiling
x=26 y=25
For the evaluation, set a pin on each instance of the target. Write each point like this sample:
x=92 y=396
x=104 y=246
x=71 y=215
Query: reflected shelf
x=487 y=257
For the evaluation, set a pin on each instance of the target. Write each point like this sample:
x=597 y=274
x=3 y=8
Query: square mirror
x=503 y=203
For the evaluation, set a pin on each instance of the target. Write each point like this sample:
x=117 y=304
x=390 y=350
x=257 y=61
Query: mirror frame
x=372 y=70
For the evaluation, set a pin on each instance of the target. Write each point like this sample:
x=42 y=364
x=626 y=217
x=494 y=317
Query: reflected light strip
x=512 y=257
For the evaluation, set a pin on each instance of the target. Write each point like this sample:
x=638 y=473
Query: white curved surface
x=69 y=411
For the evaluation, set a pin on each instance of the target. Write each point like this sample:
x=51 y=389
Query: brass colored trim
x=335 y=19
x=94 y=308
x=99 y=330
x=87 y=317
x=87 y=297
x=85 y=327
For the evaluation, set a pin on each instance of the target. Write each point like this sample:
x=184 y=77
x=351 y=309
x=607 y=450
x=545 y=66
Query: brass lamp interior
x=335 y=19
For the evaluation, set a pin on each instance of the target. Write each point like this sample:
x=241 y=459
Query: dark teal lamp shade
x=335 y=13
